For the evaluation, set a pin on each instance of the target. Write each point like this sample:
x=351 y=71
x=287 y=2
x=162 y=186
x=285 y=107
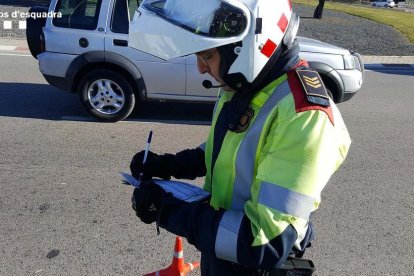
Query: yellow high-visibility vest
x=275 y=170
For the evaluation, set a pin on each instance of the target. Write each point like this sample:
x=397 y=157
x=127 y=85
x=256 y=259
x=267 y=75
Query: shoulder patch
x=313 y=87
x=301 y=97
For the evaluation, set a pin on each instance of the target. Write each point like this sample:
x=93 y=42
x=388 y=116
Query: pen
x=146 y=150
x=147 y=147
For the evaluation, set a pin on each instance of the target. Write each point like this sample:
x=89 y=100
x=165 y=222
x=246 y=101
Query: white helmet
x=256 y=29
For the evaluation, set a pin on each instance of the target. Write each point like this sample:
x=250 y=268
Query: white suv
x=86 y=51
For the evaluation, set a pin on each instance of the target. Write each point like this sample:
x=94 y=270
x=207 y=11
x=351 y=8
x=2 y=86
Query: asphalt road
x=63 y=210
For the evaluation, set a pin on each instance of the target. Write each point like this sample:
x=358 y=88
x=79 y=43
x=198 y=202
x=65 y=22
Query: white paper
x=181 y=190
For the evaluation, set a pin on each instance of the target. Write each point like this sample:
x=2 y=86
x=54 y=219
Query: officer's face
x=208 y=61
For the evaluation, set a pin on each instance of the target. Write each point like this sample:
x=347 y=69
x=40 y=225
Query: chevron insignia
x=314 y=82
x=313 y=87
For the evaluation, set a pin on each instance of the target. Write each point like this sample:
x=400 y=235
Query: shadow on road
x=25 y=3
x=42 y=101
x=393 y=69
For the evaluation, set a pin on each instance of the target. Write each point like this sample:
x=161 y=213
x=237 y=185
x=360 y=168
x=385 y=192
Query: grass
x=399 y=20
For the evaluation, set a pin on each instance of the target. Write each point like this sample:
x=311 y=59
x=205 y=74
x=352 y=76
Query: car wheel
x=385 y=6
x=374 y=5
x=34 y=30
x=107 y=95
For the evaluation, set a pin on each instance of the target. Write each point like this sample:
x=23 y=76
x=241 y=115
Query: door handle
x=121 y=42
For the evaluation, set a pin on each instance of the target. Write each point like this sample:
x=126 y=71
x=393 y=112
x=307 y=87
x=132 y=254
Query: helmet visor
x=211 y=18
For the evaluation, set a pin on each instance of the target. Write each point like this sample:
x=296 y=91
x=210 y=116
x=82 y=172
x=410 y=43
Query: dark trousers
x=212 y=266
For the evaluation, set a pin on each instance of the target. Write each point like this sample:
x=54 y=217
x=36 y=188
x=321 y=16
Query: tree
x=319 y=9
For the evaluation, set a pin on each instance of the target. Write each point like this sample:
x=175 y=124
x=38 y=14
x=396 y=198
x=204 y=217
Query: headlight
x=349 y=62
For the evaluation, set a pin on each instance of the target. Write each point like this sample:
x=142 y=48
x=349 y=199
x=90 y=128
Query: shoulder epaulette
x=309 y=92
x=313 y=87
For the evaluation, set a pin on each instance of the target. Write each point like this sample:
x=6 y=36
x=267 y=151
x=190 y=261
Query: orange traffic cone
x=178 y=267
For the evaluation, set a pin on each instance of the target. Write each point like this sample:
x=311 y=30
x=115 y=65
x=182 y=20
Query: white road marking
x=15 y=55
x=142 y=121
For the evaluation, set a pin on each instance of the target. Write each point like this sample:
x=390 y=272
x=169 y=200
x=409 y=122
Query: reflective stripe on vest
x=245 y=160
x=227 y=234
x=285 y=200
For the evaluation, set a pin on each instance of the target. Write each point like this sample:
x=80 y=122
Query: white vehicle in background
x=383 y=3
x=85 y=51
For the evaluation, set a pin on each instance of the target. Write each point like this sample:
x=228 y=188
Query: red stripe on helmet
x=283 y=22
x=268 y=48
x=290 y=4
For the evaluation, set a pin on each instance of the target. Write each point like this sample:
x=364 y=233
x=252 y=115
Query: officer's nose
x=202 y=66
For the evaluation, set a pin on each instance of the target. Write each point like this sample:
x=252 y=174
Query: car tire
x=107 y=95
x=374 y=5
x=330 y=94
x=34 y=30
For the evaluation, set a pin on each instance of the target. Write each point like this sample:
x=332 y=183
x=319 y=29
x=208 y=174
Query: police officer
x=276 y=137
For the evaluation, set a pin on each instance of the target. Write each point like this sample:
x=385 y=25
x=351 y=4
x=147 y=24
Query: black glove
x=187 y=164
x=147 y=201
x=155 y=165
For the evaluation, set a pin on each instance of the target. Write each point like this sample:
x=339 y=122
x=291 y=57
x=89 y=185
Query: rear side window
x=78 y=14
x=122 y=14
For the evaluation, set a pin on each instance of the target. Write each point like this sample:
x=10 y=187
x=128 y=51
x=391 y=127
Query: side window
x=122 y=14
x=132 y=7
x=78 y=14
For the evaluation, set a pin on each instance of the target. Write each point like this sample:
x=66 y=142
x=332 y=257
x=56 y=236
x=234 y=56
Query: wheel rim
x=106 y=96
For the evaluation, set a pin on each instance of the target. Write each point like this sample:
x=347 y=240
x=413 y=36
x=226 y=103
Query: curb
x=10 y=41
x=395 y=60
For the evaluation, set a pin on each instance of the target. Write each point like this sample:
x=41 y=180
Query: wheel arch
x=101 y=60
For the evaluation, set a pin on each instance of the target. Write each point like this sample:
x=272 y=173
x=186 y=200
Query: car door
x=162 y=79
x=78 y=27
